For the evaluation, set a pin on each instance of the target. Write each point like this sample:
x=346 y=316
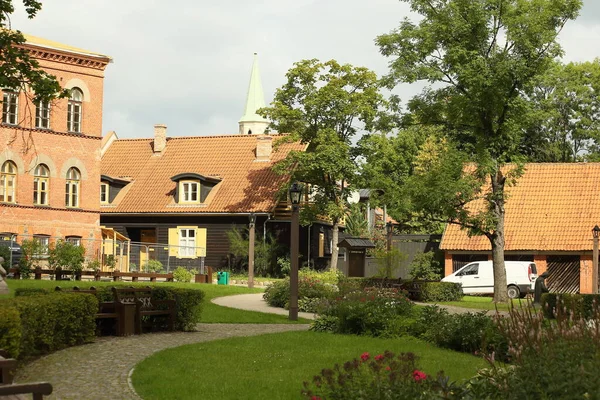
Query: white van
x=478 y=277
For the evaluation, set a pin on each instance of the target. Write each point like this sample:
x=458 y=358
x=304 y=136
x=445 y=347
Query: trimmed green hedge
x=577 y=305
x=49 y=323
x=10 y=332
x=440 y=291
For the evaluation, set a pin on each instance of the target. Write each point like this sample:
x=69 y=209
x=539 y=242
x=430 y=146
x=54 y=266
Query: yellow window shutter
x=173 y=242
x=201 y=242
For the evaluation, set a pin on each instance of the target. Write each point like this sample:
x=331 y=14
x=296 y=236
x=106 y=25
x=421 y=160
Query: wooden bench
x=107 y=310
x=18 y=391
x=145 y=306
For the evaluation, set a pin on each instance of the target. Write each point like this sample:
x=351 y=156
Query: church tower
x=251 y=123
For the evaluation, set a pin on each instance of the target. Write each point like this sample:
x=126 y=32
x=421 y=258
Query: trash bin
x=223 y=278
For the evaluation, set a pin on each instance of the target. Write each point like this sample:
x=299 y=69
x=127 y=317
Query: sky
x=187 y=63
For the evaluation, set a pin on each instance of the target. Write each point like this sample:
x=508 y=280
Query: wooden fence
x=114 y=275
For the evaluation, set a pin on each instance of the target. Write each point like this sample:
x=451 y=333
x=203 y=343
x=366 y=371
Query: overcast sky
x=186 y=63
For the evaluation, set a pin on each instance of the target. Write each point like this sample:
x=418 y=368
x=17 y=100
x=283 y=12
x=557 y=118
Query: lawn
x=485 y=303
x=274 y=366
x=211 y=313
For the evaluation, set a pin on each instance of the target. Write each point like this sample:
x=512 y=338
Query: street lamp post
x=251 y=236
x=295 y=195
x=596 y=235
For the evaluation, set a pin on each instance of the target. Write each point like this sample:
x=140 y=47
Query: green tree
x=356 y=223
x=18 y=71
x=67 y=256
x=265 y=251
x=479 y=56
x=565 y=124
x=322 y=105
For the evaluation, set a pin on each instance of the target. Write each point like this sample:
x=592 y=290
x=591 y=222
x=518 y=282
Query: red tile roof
x=553 y=207
x=246 y=185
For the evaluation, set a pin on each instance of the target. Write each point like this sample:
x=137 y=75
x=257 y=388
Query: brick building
x=50 y=153
x=550 y=214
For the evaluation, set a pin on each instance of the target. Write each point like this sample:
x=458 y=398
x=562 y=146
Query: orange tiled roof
x=553 y=207
x=246 y=185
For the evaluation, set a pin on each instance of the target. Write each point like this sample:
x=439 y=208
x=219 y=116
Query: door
x=148 y=237
x=356 y=263
x=469 y=278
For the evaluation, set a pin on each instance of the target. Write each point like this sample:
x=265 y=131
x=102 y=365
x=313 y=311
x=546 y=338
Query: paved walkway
x=254 y=302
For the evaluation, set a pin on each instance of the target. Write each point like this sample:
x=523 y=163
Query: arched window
x=41 y=180
x=8 y=182
x=74 y=110
x=72 y=187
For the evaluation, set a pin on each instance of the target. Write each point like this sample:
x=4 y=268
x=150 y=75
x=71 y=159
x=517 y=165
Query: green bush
x=440 y=291
x=577 y=305
x=154 y=266
x=278 y=294
x=10 y=331
x=181 y=274
x=55 y=321
x=67 y=256
x=372 y=311
x=5 y=254
x=30 y=291
x=325 y=323
x=469 y=332
x=425 y=267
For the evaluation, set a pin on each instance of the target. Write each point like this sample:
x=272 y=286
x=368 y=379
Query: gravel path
x=100 y=370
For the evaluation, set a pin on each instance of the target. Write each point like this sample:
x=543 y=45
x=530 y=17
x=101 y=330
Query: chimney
x=264 y=148
x=160 y=138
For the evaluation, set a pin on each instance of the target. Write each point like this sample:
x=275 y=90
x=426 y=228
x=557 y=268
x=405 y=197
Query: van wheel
x=513 y=292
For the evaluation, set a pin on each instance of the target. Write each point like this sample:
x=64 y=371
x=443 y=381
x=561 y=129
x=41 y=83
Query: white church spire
x=251 y=123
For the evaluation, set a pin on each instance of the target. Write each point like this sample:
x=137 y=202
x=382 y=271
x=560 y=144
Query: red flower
x=388 y=368
x=365 y=356
x=418 y=375
x=315 y=398
x=379 y=357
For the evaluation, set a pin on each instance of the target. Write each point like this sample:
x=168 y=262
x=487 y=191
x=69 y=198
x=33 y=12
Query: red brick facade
x=59 y=150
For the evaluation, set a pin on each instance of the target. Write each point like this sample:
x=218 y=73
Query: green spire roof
x=255 y=99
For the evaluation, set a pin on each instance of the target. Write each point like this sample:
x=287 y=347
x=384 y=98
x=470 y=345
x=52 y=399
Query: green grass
x=485 y=303
x=274 y=366
x=211 y=313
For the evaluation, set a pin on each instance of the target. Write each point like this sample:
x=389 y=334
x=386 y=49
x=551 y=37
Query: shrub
x=32 y=291
x=325 y=323
x=278 y=294
x=182 y=275
x=10 y=331
x=372 y=311
x=189 y=305
x=384 y=376
x=469 y=332
x=55 y=321
x=94 y=265
x=67 y=256
x=5 y=254
x=425 y=267
x=440 y=291
x=578 y=305
x=154 y=266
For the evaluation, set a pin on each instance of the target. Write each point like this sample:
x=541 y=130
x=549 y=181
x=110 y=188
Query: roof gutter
x=196 y=214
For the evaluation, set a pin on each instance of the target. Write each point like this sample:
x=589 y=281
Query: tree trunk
x=334 y=248
x=497 y=238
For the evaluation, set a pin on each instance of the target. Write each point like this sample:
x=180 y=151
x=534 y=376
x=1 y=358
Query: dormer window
x=104 y=193
x=193 y=188
x=189 y=191
x=110 y=188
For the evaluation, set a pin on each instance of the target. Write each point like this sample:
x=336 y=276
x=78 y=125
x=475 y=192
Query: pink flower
x=365 y=356
x=379 y=357
x=315 y=398
x=419 y=375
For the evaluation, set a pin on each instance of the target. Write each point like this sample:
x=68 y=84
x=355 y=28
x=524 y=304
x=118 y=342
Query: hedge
x=440 y=291
x=577 y=305
x=188 y=301
x=42 y=324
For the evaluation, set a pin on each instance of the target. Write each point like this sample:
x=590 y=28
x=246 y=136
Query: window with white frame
x=10 y=107
x=72 y=187
x=187 y=242
x=42 y=115
x=76 y=240
x=104 y=193
x=190 y=191
x=8 y=182
x=43 y=243
x=74 y=110
x=41 y=181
